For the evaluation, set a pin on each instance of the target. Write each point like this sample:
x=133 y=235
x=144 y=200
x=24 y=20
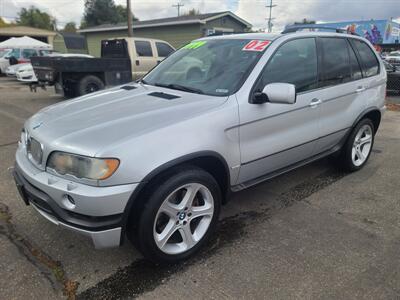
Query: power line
x=270 y=6
x=178 y=6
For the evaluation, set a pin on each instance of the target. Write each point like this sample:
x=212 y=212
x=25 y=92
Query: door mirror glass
x=284 y=93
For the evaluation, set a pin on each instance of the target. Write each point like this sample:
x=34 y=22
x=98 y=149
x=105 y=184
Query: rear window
x=164 y=49
x=369 y=62
x=143 y=48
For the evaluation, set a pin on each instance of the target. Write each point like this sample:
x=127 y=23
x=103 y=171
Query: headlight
x=82 y=166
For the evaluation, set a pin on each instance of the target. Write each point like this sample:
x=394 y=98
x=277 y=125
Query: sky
x=253 y=11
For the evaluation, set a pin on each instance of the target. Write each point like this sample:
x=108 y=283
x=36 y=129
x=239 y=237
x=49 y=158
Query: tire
x=89 y=84
x=165 y=212
x=358 y=147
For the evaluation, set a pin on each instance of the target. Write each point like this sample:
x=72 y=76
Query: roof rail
x=295 y=28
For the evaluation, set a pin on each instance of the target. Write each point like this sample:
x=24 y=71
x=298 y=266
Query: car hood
x=90 y=123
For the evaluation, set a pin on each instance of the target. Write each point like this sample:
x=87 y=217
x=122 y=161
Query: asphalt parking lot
x=314 y=233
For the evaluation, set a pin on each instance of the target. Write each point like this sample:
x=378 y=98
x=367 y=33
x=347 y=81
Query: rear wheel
x=358 y=146
x=179 y=216
x=90 y=84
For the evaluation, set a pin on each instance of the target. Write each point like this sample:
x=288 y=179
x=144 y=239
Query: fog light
x=70 y=199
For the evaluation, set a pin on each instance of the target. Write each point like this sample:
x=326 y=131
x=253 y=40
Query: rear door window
x=143 y=48
x=369 y=62
x=336 y=68
x=28 y=53
x=354 y=65
x=163 y=49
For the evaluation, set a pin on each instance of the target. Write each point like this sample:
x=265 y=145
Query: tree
x=192 y=12
x=70 y=27
x=99 y=12
x=34 y=17
x=123 y=14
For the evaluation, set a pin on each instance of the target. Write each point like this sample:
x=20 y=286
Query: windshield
x=212 y=67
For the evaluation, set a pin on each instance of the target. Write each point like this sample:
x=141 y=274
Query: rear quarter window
x=369 y=62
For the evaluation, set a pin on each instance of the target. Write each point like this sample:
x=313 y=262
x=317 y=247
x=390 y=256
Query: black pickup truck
x=76 y=76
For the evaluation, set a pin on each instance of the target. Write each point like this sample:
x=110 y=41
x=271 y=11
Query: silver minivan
x=154 y=160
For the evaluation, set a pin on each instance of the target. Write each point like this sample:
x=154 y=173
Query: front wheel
x=179 y=216
x=358 y=147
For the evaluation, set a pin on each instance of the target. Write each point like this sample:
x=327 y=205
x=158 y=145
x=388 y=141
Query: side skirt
x=284 y=170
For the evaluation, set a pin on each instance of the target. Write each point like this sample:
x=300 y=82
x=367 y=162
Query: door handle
x=137 y=62
x=315 y=102
x=360 y=89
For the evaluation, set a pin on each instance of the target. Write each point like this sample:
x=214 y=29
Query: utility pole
x=178 y=6
x=129 y=13
x=270 y=6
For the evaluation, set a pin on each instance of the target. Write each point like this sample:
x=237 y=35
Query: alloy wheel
x=362 y=145
x=183 y=218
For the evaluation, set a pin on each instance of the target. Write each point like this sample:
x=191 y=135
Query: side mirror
x=284 y=93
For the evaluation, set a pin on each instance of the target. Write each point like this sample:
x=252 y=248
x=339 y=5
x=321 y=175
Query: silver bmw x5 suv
x=154 y=160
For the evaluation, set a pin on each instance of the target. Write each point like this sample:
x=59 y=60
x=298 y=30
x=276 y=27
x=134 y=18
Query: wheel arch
x=210 y=161
x=372 y=113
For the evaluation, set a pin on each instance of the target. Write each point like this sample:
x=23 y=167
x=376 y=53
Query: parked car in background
x=393 y=58
x=154 y=160
x=25 y=73
x=3 y=53
x=121 y=61
x=393 y=77
x=20 y=55
x=11 y=71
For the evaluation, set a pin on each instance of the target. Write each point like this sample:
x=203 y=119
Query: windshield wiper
x=180 y=87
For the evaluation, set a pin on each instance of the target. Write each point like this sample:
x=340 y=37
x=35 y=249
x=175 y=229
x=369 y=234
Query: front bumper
x=97 y=212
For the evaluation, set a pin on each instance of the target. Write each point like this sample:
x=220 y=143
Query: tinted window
x=294 y=62
x=354 y=65
x=28 y=53
x=163 y=49
x=336 y=67
x=369 y=61
x=143 y=48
